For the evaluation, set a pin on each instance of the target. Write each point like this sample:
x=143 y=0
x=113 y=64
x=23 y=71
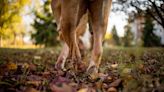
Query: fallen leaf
x=37 y=57
x=112 y=89
x=87 y=90
x=63 y=88
x=98 y=85
x=116 y=83
x=25 y=65
x=83 y=90
x=60 y=80
x=105 y=86
x=141 y=66
x=114 y=66
x=109 y=79
x=75 y=85
x=32 y=67
x=11 y=66
x=46 y=74
x=102 y=76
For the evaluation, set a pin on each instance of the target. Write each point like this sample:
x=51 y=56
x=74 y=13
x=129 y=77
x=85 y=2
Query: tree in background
x=149 y=38
x=115 y=36
x=11 y=12
x=128 y=37
x=154 y=8
x=45 y=26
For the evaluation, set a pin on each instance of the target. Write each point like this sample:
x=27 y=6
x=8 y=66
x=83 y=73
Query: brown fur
x=72 y=17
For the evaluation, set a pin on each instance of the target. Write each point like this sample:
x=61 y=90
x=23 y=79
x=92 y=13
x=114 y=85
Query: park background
x=30 y=23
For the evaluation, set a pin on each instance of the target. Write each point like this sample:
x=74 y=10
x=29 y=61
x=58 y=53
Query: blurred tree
x=115 y=36
x=155 y=8
x=128 y=37
x=11 y=18
x=149 y=38
x=45 y=26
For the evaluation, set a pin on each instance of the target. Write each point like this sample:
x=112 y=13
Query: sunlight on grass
x=23 y=46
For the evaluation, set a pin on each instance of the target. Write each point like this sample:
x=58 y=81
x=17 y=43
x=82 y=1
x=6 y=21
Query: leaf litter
x=120 y=71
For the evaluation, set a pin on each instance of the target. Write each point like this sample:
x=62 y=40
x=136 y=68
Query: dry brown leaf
x=102 y=76
x=73 y=84
x=87 y=90
x=63 y=88
x=114 y=66
x=32 y=67
x=109 y=79
x=46 y=74
x=112 y=89
x=99 y=85
x=116 y=83
x=105 y=86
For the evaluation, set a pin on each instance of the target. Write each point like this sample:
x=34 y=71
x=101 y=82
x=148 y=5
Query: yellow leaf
x=11 y=66
x=87 y=90
x=83 y=90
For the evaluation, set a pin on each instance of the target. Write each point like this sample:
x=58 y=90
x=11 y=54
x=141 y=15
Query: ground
x=122 y=70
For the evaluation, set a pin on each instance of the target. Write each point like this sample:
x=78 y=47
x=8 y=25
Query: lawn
x=122 y=70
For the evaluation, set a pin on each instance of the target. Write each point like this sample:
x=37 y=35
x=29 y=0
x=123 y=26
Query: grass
x=141 y=69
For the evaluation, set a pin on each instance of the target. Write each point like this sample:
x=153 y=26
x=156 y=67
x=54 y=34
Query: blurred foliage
x=154 y=8
x=149 y=38
x=11 y=24
x=11 y=18
x=115 y=36
x=45 y=26
x=128 y=37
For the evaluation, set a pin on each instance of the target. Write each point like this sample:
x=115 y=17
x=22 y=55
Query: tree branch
x=156 y=19
x=158 y=12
